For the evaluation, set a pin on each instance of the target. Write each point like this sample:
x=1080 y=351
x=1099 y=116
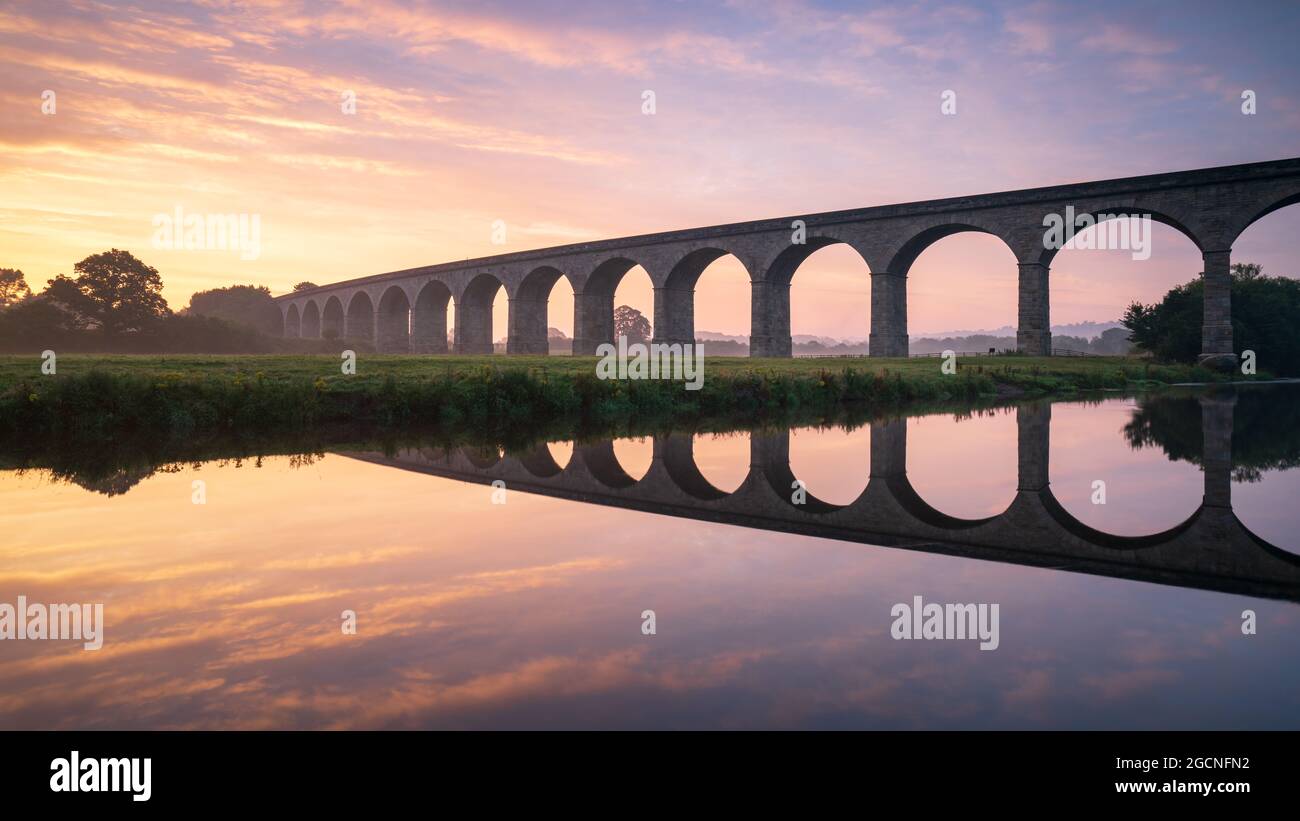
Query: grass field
x=93 y=398
x=1043 y=372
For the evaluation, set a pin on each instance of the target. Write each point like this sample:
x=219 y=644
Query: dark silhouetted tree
x=1265 y=319
x=249 y=304
x=305 y=286
x=631 y=323
x=13 y=287
x=113 y=292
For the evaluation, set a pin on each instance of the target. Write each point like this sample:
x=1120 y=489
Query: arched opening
x=332 y=319
x=311 y=321
x=534 y=310
x=962 y=291
x=722 y=458
x=966 y=467
x=561 y=452
x=429 y=318
x=706 y=298
x=833 y=464
x=829 y=311
x=394 y=321
x=1264 y=266
x=1266 y=452
x=1099 y=273
x=474 y=315
x=634 y=455
x=1100 y=477
x=292 y=322
x=361 y=318
x=594 y=308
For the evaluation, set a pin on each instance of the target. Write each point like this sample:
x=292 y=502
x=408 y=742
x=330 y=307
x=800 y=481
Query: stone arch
x=359 y=322
x=529 y=321
x=1035 y=274
x=332 y=319
x=393 y=321
x=474 y=315
x=901 y=262
x=292 y=322
x=770 y=301
x=1105 y=215
x=1258 y=210
x=429 y=318
x=311 y=320
x=593 y=306
x=674 y=320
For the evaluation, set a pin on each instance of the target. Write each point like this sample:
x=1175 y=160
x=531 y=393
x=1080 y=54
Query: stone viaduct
x=1212 y=550
x=405 y=311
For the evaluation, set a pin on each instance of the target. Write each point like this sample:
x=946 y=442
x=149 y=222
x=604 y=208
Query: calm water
x=528 y=613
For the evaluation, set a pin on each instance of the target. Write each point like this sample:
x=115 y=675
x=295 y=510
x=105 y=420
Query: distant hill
x=1087 y=330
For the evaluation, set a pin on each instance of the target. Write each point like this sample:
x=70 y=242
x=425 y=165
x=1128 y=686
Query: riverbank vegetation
x=93 y=399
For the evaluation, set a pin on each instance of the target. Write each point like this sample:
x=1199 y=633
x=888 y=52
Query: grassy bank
x=96 y=398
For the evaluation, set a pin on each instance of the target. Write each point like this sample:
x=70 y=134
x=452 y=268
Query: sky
x=532 y=114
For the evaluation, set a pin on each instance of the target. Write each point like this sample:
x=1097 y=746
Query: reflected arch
x=833 y=462
x=603 y=463
x=943 y=452
x=1110 y=442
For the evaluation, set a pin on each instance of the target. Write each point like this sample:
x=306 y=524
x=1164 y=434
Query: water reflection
x=769 y=613
x=1207 y=548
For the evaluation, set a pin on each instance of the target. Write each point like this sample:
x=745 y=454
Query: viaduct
x=405 y=311
x=1212 y=550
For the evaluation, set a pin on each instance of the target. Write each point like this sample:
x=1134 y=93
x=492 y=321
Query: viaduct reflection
x=1211 y=550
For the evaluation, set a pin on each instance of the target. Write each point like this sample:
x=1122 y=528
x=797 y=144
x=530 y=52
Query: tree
x=1112 y=341
x=113 y=291
x=1265 y=319
x=631 y=323
x=249 y=304
x=13 y=287
x=1246 y=271
x=305 y=286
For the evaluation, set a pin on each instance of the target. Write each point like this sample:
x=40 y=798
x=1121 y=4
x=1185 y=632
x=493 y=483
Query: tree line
x=1265 y=319
x=113 y=303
